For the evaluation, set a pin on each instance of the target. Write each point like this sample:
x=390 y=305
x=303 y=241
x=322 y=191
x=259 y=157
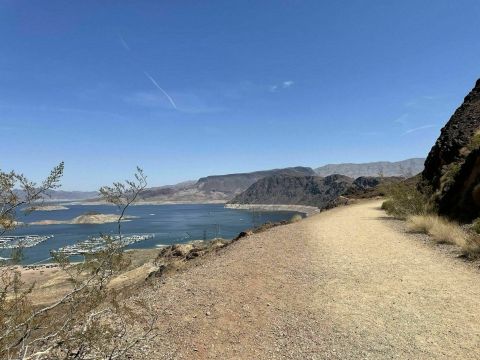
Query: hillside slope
x=452 y=168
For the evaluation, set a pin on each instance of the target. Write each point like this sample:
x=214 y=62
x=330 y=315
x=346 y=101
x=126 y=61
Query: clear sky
x=192 y=88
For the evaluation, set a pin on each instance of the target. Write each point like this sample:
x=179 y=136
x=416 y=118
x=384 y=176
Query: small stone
x=208 y=313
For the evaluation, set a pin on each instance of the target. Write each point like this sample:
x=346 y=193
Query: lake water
x=169 y=223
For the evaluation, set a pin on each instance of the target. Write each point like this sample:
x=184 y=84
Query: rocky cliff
x=452 y=168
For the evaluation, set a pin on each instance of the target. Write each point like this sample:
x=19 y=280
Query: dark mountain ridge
x=318 y=191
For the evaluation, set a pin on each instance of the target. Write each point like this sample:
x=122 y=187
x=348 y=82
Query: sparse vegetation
x=449 y=173
x=476 y=226
x=387 y=205
x=295 y=218
x=442 y=230
x=89 y=321
x=471 y=247
x=474 y=142
x=403 y=200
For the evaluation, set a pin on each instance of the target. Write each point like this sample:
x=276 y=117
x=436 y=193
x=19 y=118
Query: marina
x=170 y=224
x=26 y=241
x=99 y=243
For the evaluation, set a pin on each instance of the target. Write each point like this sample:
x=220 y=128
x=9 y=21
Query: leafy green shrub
x=404 y=200
x=476 y=226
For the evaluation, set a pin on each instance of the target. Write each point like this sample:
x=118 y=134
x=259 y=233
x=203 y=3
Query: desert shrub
x=476 y=226
x=387 y=205
x=474 y=142
x=88 y=321
x=295 y=218
x=449 y=171
x=471 y=247
x=404 y=200
x=442 y=230
x=420 y=224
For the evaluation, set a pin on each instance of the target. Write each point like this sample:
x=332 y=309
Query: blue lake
x=169 y=223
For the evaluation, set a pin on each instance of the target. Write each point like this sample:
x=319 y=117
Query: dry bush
x=442 y=230
x=404 y=200
x=89 y=321
x=387 y=205
x=445 y=232
x=471 y=247
x=295 y=218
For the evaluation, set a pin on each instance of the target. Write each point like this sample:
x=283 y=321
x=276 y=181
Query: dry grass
x=444 y=232
x=472 y=246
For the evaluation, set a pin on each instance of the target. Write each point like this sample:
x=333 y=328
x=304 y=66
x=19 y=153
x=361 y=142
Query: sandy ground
x=86 y=219
x=51 y=282
x=344 y=284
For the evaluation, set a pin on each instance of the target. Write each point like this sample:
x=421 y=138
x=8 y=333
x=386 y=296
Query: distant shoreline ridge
x=307 y=210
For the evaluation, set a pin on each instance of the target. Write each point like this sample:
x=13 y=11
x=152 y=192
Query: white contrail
x=159 y=88
x=124 y=43
x=409 y=131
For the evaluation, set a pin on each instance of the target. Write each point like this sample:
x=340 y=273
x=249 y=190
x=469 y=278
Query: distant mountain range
x=61 y=195
x=223 y=188
x=215 y=188
x=404 y=168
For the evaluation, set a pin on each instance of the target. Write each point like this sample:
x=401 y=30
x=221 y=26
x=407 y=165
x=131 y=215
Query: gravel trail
x=343 y=284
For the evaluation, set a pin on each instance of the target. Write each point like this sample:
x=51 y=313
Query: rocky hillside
x=452 y=168
x=233 y=184
x=405 y=168
x=321 y=192
x=216 y=188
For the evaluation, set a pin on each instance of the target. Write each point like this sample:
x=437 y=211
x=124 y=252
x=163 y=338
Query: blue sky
x=186 y=88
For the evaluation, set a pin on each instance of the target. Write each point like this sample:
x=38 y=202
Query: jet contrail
x=159 y=88
x=409 y=131
x=124 y=43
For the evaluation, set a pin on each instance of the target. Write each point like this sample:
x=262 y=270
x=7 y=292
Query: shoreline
x=303 y=209
x=153 y=202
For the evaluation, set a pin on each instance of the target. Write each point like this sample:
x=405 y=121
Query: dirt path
x=343 y=284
